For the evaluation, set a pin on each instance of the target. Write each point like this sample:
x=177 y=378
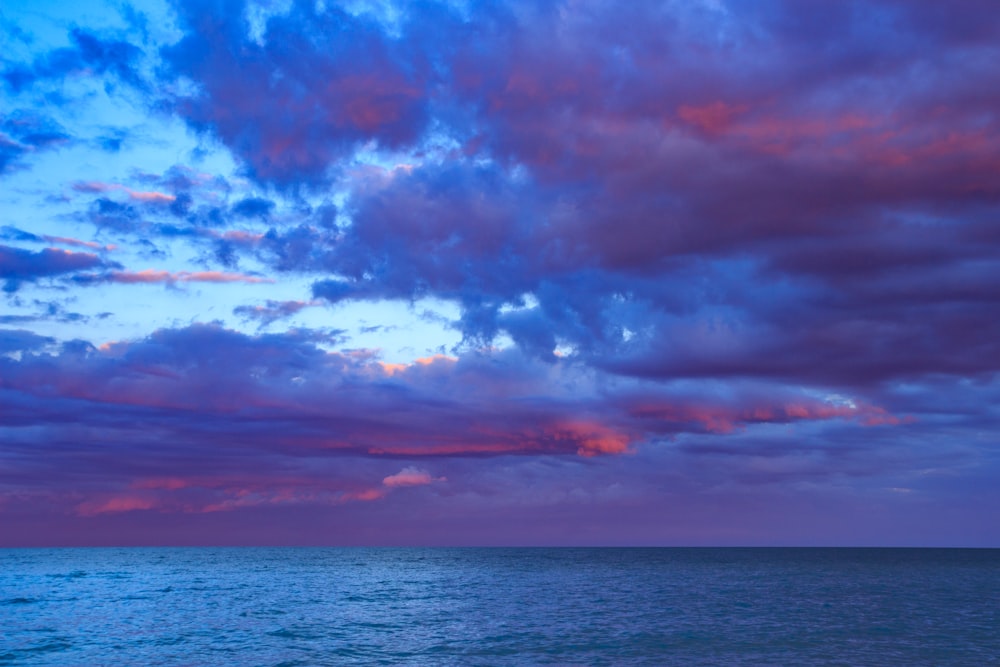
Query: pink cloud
x=410 y=476
x=154 y=276
x=165 y=483
x=243 y=498
x=150 y=197
x=99 y=187
x=63 y=240
x=436 y=361
x=392 y=368
x=726 y=417
x=592 y=439
x=94 y=187
x=220 y=277
x=366 y=495
x=114 y=505
x=711 y=118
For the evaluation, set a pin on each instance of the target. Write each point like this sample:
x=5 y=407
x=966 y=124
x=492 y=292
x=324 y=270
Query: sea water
x=445 y=606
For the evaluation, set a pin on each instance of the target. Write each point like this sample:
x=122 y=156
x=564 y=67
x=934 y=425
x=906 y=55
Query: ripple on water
x=286 y=633
x=499 y=607
x=49 y=645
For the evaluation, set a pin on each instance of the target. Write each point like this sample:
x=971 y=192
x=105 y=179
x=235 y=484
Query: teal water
x=318 y=606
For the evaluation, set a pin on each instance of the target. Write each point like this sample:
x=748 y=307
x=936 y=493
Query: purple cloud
x=235 y=423
x=204 y=393
x=321 y=84
x=719 y=256
x=18 y=265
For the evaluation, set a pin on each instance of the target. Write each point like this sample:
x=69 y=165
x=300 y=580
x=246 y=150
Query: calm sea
x=316 y=606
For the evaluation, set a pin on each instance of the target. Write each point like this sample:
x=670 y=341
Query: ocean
x=499 y=606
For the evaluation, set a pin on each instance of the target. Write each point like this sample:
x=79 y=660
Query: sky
x=577 y=272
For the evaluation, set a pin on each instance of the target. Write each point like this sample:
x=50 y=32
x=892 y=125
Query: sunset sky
x=687 y=272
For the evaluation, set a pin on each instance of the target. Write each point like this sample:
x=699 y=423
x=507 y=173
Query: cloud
x=89 y=54
x=114 y=505
x=693 y=249
x=410 y=476
x=657 y=228
x=272 y=311
x=52 y=311
x=10 y=233
x=640 y=217
x=206 y=496
x=18 y=266
x=24 y=132
x=18 y=340
x=236 y=423
x=150 y=276
x=340 y=71
x=146 y=196
x=182 y=204
x=293 y=398
x=106 y=213
x=253 y=207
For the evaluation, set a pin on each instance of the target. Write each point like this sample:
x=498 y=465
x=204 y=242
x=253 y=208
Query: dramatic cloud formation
x=577 y=263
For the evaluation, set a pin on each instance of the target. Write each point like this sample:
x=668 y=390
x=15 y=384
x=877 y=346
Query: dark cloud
x=113 y=140
x=107 y=213
x=88 y=54
x=21 y=340
x=318 y=85
x=181 y=206
x=681 y=191
x=23 y=132
x=674 y=220
x=301 y=248
x=253 y=207
x=10 y=233
x=18 y=265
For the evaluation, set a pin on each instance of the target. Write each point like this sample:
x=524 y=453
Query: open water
x=318 y=606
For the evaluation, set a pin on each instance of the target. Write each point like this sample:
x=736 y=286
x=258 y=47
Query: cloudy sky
x=528 y=272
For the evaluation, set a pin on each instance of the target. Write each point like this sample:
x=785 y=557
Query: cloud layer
x=733 y=255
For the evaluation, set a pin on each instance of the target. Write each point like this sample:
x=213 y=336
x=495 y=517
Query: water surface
x=414 y=606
